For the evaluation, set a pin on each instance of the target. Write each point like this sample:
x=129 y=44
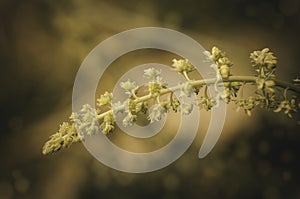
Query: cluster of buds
x=155 y=84
x=182 y=66
x=246 y=104
x=66 y=135
x=221 y=62
x=222 y=65
x=231 y=89
x=288 y=106
x=264 y=63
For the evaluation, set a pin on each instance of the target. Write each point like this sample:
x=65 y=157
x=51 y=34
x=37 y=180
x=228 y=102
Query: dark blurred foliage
x=277 y=14
x=42 y=44
x=263 y=164
x=24 y=90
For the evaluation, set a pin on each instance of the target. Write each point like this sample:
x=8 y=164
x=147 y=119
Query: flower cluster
x=264 y=63
x=186 y=89
x=288 y=106
x=130 y=107
x=221 y=63
x=206 y=103
x=66 y=135
x=157 y=112
x=182 y=65
x=105 y=99
x=155 y=84
x=86 y=120
x=246 y=104
x=129 y=86
x=129 y=119
x=269 y=93
x=153 y=74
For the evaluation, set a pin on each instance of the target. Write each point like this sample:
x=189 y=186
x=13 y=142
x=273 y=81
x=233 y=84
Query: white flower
x=154 y=76
x=86 y=120
x=186 y=108
x=129 y=86
x=216 y=69
x=186 y=89
x=117 y=107
x=105 y=99
x=214 y=55
x=152 y=73
x=157 y=112
x=208 y=55
x=129 y=120
x=182 y=65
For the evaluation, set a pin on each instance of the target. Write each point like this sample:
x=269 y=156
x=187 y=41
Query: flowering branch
x=269 y=93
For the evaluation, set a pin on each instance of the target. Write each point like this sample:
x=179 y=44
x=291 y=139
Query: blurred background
x=42 y=44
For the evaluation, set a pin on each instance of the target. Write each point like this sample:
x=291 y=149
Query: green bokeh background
x=42 y=44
